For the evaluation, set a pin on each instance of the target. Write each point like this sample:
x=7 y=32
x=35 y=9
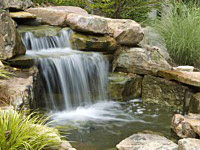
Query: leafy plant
x=4 y=73
x=18 y=132
x=180 y=29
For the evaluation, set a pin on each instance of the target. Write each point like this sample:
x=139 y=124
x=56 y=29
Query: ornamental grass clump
x=18 y=132
x=180 y=29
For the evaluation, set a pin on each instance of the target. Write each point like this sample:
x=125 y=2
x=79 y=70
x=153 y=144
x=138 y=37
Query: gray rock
x=151 y=39
x=123 y=86
x=164 y=92
x=186 y=126
x=10 y=42
x=93 y=43
x=56 y=15
x=189 y=144
x=146 y=142
x=17 y=4
x=126 y=32
x=139 y=61
x=87 y=23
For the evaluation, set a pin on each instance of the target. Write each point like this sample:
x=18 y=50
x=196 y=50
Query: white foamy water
x=107 y=111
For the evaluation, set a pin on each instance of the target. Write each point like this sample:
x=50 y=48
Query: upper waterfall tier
x=38 y=43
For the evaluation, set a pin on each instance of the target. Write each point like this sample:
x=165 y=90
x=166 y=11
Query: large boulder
x=189 y=144
x=123 y=86
x=126 y=32
x=146 y=142
x=164 y=92
x=139 y=61
x=186 y=126
x=195 y=104
x=16 y=4
x=87 y=23
x=189 y=78
x=10 y=42
x=93 y=43
x=151 y=39
x=55 y=15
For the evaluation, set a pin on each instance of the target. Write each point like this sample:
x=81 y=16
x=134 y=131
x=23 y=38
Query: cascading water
x=72 y=78
x=75 y=90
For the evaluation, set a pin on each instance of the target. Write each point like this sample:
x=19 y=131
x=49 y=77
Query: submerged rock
x=186 y=126
x=189 y=78
x=56 y=15
x=17 y=4
x=126 y=32
x=87 y=23
x=161 y=91
x=139 y=61
x=123 y=86
x=93 y=43
x=189 y=144
x=195 y=104
x=10 y=42
x=146 y=142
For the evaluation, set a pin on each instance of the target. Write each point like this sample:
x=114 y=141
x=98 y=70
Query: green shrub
x=25 y=133
x=180 y=29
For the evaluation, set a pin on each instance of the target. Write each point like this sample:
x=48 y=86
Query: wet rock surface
x=186 y=126
x=10 y=41
x=123 y=86
x=139 y=61
x=146 y=142
x=93 y=43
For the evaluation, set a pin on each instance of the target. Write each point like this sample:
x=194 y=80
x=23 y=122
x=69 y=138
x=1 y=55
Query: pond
x=103 y=125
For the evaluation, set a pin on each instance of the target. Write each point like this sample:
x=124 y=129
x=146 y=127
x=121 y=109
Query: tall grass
x=21 y=133
x=180 y=29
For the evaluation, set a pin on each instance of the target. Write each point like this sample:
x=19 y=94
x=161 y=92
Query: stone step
x=189 y=78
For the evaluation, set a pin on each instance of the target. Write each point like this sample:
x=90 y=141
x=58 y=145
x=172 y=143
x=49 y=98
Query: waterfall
x=71 y=80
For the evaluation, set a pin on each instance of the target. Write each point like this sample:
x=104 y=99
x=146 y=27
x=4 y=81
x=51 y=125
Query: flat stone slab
x=22 y=15
x=146 y=142
x=190 y=78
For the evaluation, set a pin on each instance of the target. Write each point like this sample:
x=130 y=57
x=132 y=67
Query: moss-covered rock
x=195 y=104
x=93 y=43
x=123 y=86
x=164 y=92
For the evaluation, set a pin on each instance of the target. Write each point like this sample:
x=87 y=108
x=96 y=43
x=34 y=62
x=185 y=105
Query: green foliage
x=128 y=9
x=180 y=29
x=18 y=132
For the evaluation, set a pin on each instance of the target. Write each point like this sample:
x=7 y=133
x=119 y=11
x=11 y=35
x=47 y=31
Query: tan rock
x=184 y=68
x=146 y=142
x=190 y=78
x=189 y=144
x=139 y=61
x=55 y=15
x=22 y=15
x=126 y=32
x=186 y=126
x=17 y=4
x=87 y=23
